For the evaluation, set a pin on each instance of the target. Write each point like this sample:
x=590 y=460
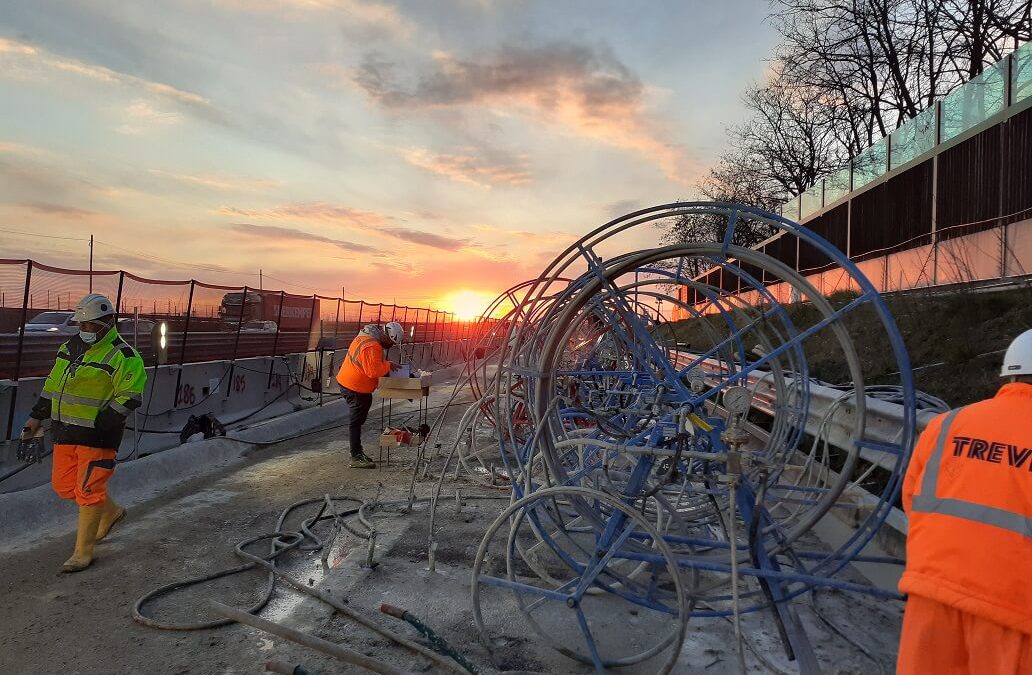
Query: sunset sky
x=403 y=150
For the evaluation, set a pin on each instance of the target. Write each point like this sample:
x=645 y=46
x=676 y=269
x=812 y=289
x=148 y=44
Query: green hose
x=437 y=643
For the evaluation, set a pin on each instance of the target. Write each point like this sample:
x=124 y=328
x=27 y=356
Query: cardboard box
x=391 y=382
x=403 y=387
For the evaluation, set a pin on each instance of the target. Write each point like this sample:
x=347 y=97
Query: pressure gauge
x=696 y=382
x=738 y=400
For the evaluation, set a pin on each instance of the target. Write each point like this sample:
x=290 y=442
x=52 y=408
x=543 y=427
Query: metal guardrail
x=832 y=417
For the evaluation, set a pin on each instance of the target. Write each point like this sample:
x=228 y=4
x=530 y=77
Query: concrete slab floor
x=81 y=623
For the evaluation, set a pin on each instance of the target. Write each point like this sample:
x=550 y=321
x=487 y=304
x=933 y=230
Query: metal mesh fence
x=204 y=322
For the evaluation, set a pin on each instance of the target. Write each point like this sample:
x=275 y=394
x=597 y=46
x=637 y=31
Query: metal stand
x=387 y=418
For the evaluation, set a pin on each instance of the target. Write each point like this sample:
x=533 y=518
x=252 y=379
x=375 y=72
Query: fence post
x=118 y=296
x=452 y=337
x=311 y=347
x=182 y=346
x=236 y=344
x=275 y=339
x=21 y=343
x=426 y=330
x=433 y=338
x=379 y=313
x=336 y=324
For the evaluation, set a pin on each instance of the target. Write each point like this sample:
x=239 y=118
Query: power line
x=43 y=236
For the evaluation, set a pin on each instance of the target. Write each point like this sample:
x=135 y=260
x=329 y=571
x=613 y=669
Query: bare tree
x=792 y=139
x=847 y=73
x=890 y=59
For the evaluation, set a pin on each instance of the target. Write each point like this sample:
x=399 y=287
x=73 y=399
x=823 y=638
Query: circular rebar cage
x=664 y=418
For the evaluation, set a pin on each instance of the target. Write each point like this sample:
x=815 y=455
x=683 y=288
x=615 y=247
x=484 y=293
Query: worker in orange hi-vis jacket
x=364 y=365
x=968 y=493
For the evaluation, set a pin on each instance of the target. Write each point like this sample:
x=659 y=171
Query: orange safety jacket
x=364 y=365
x=968 y=494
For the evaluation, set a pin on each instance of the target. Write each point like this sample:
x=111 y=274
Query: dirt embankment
x=955 y=341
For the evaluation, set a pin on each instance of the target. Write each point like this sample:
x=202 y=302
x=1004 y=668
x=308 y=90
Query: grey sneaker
x=362 y=462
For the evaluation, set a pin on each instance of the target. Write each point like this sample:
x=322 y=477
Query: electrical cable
x=282 y=542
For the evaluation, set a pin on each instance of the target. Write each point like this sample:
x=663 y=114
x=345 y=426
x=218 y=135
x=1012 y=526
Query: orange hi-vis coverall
x=968 y=494
x=363 y=365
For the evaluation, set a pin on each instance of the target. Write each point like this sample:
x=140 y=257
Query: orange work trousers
x=938 y=639
x=81 y=473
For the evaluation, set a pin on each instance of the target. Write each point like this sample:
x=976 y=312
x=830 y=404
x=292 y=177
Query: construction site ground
x=82 y=623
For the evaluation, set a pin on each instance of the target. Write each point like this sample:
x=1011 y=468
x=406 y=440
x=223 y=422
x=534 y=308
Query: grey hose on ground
x=324 y=646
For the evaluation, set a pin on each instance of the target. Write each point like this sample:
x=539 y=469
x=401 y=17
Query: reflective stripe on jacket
x=364 y=365
x=91 y=389
x=968 y=493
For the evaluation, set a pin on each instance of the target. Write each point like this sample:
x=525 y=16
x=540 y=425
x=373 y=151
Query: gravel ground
x=81 y=623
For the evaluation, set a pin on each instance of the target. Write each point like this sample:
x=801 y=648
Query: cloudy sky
x=403 y=150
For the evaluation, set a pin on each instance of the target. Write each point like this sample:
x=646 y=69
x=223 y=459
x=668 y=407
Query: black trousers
x=358 y=408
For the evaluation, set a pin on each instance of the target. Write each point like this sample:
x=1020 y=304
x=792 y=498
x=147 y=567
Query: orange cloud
x=471 y=169
x=585 y=90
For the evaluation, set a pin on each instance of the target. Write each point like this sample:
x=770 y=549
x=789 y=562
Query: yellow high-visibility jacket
x=91 y=390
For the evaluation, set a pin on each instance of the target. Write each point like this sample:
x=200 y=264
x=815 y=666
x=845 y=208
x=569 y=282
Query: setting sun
x=466 y=304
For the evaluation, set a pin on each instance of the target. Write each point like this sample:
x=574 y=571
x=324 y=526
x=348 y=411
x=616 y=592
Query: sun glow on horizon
x=467 y=304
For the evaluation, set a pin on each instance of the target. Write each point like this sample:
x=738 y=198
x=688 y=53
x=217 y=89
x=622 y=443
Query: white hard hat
x=94 y=306
x=1018 y=359
x=394 y=331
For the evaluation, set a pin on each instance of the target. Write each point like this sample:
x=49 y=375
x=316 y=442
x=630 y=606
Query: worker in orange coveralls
x=364 y=365
x=968 y=493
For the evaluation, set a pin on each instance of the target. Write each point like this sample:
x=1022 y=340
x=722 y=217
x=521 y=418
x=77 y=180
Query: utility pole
x=91 y=263
x=259 y=278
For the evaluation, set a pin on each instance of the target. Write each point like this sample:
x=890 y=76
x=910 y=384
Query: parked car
x=259 y=327
x=52 y=323
x=127 y=330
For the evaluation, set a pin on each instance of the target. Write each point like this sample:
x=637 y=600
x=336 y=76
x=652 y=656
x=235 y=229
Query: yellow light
x=466 y=304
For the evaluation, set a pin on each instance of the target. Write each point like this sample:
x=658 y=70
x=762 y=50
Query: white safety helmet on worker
x=394 y=332
x=1018 y=359
x=94 y=306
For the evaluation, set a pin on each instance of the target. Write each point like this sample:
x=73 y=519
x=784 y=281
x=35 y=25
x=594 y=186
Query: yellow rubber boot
x=111 y=514
x=89 y=521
